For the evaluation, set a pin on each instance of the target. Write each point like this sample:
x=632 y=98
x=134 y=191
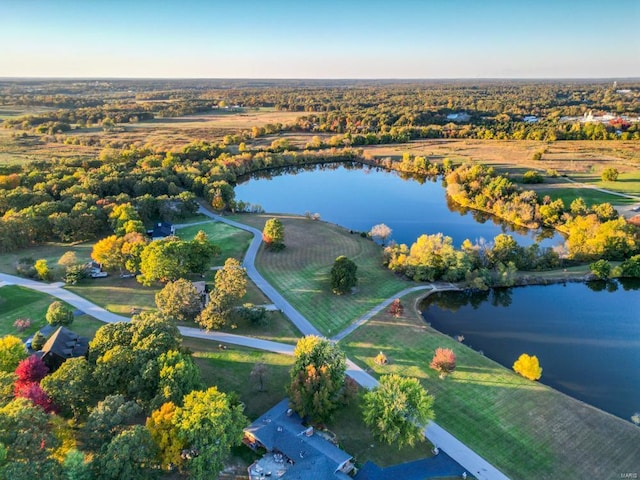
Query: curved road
x=474 y=463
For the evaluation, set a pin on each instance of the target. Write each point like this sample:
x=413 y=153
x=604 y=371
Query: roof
x=162 y=229
x=66 y=344
x=315 y=457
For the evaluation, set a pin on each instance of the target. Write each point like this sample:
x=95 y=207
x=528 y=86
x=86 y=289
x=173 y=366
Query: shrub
x=528 y=366
x=610 y=174
x=59 y=314
x=443 y=362
x=22 y=324
x=532 y=176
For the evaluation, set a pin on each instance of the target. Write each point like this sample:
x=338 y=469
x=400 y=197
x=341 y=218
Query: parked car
x=98 y=274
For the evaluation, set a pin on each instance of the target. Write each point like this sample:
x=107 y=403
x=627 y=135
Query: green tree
x=179 y=300
x=397 y=410
x=177 y=375
x=12 y=351
x=230 y=285
x=76 y=466
x=210 y=424
x=70 y=386
x=610 y=174
x=631 y=267
x=42 y=270
x=130 y=454
x=109 y=418
x=343 y=275
x=601 y=269
x=273 y=234
x=528 y=366
x=59 y=314
x=317 y=378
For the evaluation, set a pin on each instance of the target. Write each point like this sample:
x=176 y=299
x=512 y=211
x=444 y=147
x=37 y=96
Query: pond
x=358 y=197
x=586 y=337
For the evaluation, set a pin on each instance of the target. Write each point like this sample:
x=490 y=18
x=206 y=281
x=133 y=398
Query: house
x=162 y=230
x=295 y=452
x=62 y=345
x=459 y=117
x=530 y=119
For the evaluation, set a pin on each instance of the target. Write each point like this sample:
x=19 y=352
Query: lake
x=586 y=337
x=360 y=197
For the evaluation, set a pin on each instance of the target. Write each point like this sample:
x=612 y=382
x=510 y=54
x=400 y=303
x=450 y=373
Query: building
x=530 y=119
x=295 y=452
x=162 y=230
x=459 y=117
x=62 y=345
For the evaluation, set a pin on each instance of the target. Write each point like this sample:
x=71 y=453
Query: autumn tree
x=273 y=234
x=31 y=369
x=179 y=300
x=380 y=232
x=230 y=285
x=68 y=259
x=443 y=361
x=396 y=308
x=42 y=270
x=610 y=174
x=343 y=275
x=59 y=314
x=12 y=351
x=397 y=410
x=528 y=366
x=317 y=378
x=161 y=427
x=108 y=253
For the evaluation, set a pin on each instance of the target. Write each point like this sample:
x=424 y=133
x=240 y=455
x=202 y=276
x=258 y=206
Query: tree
x=528 y=366
x=130 y=454
x=381 y=232
x=31 y=369
x=443 y=362
x=230 y=285
x=210 y=424
x=631 y=267
x=343 y=275
x=177 y=375
x=68 y=259
x=179 y=300
x=33 y=391
x=42 y=270
x=76 y=466
x=109 y=418
x=108 y=253
x=317 y=378
x=396 y=308
x=12 y=351
x=259 y=373
x=163 y=432
x=70 y=386
x=610 y=174
x=59 y=314
x=273 y=234
x=397 y=410
x=38 y=341
x=601 y=269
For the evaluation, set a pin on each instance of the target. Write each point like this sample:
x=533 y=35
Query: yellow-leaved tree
x=528 y=366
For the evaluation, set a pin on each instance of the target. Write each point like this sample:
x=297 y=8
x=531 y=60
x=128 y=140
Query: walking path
x=462 y=454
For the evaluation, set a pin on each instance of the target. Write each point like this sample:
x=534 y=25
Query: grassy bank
x=232 y=241
x=301 y=271
x=524 y=428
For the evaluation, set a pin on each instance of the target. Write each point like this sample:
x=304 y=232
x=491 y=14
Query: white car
x=98 y=274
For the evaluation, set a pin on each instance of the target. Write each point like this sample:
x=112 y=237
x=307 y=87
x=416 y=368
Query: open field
x=524 y=428
x=17 y=302
x=51 y=252
x=301 y=271
x=232 y=241
x=230 y=370
x=118 y=295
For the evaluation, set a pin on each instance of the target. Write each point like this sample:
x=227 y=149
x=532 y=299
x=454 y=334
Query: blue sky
x=329 y=39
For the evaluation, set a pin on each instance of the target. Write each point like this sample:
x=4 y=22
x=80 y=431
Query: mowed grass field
x=232 y=241
x=18 y=302
x=230 y=371
x=301 y=272
x=525 y=429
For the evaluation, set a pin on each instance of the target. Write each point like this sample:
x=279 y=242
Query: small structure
x=62 y=345
x=201 y=287
x=459 y=117
x=295 y=452
x=162 y=230
x=530 y=119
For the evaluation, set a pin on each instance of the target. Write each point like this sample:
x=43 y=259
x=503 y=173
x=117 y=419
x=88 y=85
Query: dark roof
x=314 y=456
x=66 y=344
x=162 y=229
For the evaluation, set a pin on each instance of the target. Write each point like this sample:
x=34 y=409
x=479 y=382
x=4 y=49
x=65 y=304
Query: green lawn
x=118 y=295
x=230 y=370
x=589 y=195
x=301 y=271
x=524 y=428
x=232 y=241
x=18 y=302
x=51 y=252
x=627 y=183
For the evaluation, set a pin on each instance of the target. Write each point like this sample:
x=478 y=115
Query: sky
x=320 y=39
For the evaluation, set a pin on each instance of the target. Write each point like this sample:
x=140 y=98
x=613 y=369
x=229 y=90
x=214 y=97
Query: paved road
x=298 y=320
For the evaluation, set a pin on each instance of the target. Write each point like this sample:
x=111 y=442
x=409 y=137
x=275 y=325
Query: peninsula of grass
x=230 y=371
x=19 y=302
x=301 y=271
x=232 y=241
x=524 y=428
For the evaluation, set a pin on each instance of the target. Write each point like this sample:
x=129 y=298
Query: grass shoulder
x=524 y=428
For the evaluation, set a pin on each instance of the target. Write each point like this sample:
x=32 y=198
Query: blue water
x=586 y=338
x=360 y=198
